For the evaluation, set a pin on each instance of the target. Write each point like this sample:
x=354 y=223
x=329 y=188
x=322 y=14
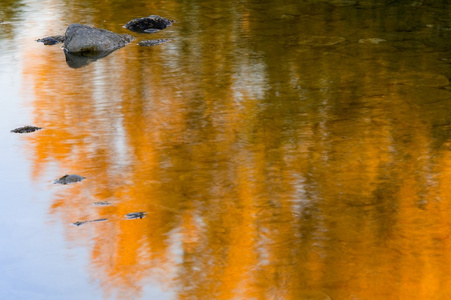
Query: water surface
x=278 y=150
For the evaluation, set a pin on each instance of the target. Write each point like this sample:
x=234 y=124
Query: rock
x=26 y=129
x=51 y=40
x=135 y=215
x=148 y=43
x=66 y=179
x=148 y=24
x=85 y=39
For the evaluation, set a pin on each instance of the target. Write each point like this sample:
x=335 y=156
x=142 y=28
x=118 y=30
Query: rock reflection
x=78 y=60
x=265 y=169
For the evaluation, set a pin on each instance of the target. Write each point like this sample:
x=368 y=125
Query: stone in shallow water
x=148 y=43
x=26 y=129
x=148 y=24
x=51 y=40
x=85 y=39
x=322 y=40
x=84 y=44
x=66 y=179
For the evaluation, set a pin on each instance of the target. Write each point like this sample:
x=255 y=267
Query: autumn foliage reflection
x=263 y=176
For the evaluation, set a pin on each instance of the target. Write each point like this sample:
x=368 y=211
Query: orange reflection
x=263 y=176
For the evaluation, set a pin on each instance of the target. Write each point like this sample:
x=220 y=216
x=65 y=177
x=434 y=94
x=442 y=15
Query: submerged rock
x=148 y=43
x=26 y=129
x=148 y=24
x=66 y=179
x=135 y=215
x=51 y=40
x=85 y=39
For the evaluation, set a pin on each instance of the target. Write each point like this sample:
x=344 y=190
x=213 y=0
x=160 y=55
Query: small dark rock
x=69 y=179
x=150 y=24
x=135 y=215
x=148 y=43
x=52 y=40
x=85 y=39
x=26 y=129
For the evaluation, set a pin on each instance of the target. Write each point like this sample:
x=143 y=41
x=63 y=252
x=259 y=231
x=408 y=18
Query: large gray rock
x=82 y=38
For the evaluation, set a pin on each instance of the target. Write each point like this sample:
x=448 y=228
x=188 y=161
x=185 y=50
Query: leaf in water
x=99 y=220
x=79 y=223
x=135 y=215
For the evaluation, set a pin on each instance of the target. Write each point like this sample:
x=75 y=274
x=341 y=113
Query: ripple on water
x=316 y=41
